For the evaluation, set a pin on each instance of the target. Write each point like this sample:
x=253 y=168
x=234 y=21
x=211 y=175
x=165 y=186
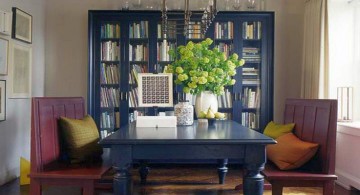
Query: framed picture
x=20 y=71
x=155 y=90
x=22 y=25
x=4 y=51
x=2 y=100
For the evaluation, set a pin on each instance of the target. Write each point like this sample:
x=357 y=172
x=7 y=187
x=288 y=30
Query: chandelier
x=190 y=25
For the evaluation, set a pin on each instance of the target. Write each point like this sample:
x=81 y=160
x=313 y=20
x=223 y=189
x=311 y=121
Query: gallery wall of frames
x=15 y=56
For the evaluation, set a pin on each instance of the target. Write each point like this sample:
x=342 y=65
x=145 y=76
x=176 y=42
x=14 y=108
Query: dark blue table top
x=223 y=131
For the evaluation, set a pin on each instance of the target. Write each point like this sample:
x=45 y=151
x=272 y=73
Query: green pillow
x=81 y=138
x=274 y=130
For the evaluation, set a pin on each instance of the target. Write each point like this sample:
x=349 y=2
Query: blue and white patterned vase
x=184 y=113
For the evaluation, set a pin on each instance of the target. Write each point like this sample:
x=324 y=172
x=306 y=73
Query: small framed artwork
x=4 y=51
x=155 y=90
x=2 y=100
x=22 y=25
x=20 y=71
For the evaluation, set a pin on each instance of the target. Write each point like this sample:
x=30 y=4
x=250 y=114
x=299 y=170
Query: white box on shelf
x=156 y=121
x=5 y=23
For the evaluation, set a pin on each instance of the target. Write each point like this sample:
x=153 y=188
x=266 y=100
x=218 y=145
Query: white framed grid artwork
x=155 y=90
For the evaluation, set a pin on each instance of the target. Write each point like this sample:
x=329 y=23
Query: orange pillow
x=290 y=152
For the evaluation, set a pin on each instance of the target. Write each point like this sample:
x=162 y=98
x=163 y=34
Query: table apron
x=188 y=151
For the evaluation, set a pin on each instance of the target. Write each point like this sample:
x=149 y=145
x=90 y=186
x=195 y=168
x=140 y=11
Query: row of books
x=135 y=70
x=109 y=97
x=251 y=54
x=250 y=71
x=110 y=120
x=110 y=51
x=226 y=48
x=224 y=30
x=171 y=30
x=251 y=81
x=109 y=74
x=250 y=120
x=110 y=31
x=163 y=51
x=138 y=52
x=252 y=30
x=139 y=29
x=250 y=98
x=225 y=100
x=133 y=98
x=194 y=30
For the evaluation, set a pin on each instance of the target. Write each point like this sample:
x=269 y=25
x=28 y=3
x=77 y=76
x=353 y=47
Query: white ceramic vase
x=204 y=100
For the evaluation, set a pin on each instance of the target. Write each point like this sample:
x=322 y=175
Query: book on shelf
x=251 y=54
x=250 y=97
x=251 y=81
x=225 y=48
x=252 y=30
x=171 y=30
x=251 y=71
x=139 y=29
x=138 y=52
x=110 y=51
x=163 y=49
x=225 y=100
x=194 y=30
x=110 y=120
x=250 y=120
x=109 y=74
x=224 y=30
x=109 y=97
x=110 y=31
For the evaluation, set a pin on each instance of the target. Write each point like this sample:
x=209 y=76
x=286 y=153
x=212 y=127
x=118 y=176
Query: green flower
x=179 y=70
x=198 y=68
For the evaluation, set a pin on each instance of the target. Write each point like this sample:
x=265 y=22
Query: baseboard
x=9 y=175
x=347 y=180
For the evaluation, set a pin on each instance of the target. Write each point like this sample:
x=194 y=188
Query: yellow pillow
x=290 y=152
x=81 y=138
x=274 y=130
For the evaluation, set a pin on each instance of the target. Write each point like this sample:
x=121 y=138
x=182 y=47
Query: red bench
x=315 y=121
x=46 y=148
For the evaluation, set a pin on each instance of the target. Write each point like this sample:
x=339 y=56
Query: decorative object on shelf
x=5 y=23
x=207 y=17
x=251 y=5
x=198 y=69
x=237 y=5
x=345 y=104
x=184 y=113
x=2 y=100
x=22 y=25
x=20 y=71
x=4 y=53
x=155 y=90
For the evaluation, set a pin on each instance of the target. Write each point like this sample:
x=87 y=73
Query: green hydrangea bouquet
x=198 y=68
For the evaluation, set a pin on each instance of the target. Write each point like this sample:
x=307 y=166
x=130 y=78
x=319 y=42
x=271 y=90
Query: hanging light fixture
x=189 y=26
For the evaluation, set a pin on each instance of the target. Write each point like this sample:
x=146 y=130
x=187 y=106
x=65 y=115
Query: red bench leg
x=88 y=188
x=276 y=189
x=328 y=188
x=35 y=187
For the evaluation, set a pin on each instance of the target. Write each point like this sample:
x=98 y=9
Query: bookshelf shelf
x=123 y=44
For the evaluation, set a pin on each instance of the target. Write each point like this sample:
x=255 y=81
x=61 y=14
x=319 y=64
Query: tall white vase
x=204 y=100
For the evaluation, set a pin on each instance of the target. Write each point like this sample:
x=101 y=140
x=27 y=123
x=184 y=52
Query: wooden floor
x=174 y=181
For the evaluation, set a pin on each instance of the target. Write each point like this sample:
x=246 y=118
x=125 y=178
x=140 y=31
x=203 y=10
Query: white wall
x=66 y=47
x=15 y=131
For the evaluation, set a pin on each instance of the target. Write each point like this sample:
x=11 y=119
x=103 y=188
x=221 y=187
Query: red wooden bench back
x=315 y=121
x=45 y=146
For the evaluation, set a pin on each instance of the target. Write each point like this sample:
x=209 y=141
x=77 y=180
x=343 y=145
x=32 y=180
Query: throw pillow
x=274 y=130
x=290 y=152
x=81 y=138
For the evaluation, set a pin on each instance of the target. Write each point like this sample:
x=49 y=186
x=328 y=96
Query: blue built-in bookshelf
x=125 y=43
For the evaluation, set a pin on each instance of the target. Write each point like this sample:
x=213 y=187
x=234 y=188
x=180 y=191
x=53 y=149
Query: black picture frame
x=2 y=100
x=21 y=26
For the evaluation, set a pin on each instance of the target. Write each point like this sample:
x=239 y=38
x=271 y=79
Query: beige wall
x=66 y=47
x=15 y=131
